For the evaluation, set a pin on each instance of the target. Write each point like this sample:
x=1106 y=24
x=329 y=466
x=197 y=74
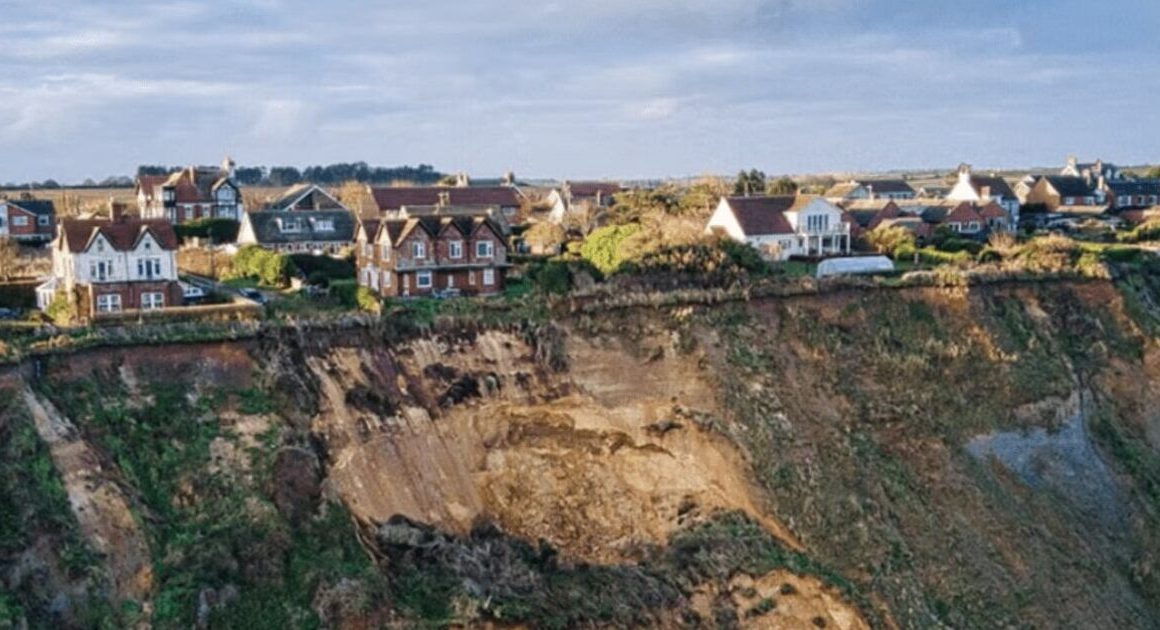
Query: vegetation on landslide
x=209 y=527
x=441 y=579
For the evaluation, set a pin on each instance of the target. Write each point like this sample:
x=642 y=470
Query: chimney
x=229 y=166
x=985 y=192
x=870 y=190
x=462 y=180
x=116 y=211
x=965 y=173
x=444 y=198
x=1072 y=161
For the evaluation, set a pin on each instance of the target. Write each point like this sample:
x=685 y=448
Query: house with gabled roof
x=392 y=200
x=859 y=189
x=110 y=265
x=190 y=194
x=1067 y=193
x=984 y=189
x=573 y=195
x=305 y=218
x=1140 y=193
x=27 y=220
x=417 y=256
x=1093 y=171
x=783 y=226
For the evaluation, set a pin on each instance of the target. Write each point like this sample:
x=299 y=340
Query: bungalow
x=305 y=218
x=893 y=189
x=985 y=189
x=27 y=220
x=421 y=255
x=573 y=195
x=110 y=265
x=783 y=226
x=196 y=192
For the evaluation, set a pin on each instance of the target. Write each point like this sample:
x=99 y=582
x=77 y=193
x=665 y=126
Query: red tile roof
x=122 y=234
x=395 y=198
x=760 y=216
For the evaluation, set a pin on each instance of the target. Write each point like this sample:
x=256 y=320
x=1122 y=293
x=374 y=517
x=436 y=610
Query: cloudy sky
x=576 y=88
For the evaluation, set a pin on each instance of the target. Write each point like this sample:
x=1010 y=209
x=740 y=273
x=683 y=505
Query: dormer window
x=323 y=225
x=290 y=224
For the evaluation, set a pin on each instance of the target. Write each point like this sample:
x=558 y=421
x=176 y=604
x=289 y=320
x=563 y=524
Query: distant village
x=464 y=238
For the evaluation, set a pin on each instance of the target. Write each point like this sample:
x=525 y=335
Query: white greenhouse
x=854 y=265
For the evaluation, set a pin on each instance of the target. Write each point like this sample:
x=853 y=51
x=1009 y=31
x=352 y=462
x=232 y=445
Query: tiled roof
x=963 y=213
x=886 y=186
x=267 y=226
x=39 y=207
x=1070 y=186
x=1138 y=187
x=998 y=185
x=306 y=197
x=763 y=215
x=590 y=189
x=394 y=198
x=122 y=234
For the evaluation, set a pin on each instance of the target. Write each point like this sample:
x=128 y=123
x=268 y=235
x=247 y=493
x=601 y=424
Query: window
x=817 y=223
x=1069 y=201
x=455 y=249
x=488 y=277
x=324 y=225
x=291 y=224
x=418 y=249
x=423 y=280
x=368 y=250
x=484 y=249
x=385 y=252
x=100 y=270
x=450 y=280
x=148 y=268
x=152 y=300
x=973 y=226
x=42 y=221
x=108 y=303
x=386 y=279
x=471 y=277
x=19 y=221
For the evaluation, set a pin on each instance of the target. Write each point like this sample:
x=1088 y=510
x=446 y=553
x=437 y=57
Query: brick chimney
x=116 y=211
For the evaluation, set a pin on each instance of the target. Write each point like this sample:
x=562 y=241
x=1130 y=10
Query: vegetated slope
x=873 y=458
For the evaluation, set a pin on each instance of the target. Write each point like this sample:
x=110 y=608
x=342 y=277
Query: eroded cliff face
x=915 y=458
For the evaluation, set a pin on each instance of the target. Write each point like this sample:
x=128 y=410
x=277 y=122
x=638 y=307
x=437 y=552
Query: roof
x=998 y=185
x=39 y=207
x=993 y=211
x=591 y=189
x=1138 y=187
x=370 y=227
x=267 y=226
x=399 y=229
x=1068 y=186
x=763 y=215
x=123 y=234
x=842 y=190
x=194 y=184
x=304 y=197
x=963 y=213
x=149 y=183
x=887 y=186
x=395 y=198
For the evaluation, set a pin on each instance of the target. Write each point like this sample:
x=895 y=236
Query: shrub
x=367 y=300
x=216 y=230
x=553 y=276
x=269 y=268
x=61 y=310
x=889 y=239
x=956 y=244
x=604 y=247
x=345 y=292
x=1122 y=254
x=545 y=236
x=317 y=267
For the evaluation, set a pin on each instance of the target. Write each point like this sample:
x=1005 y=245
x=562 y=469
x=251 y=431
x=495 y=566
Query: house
x=783 y=226
x=110 y=265
x=1141 y=193
x=1064 y=193
x=1092 y=172
x=391 y=201
x=893 y=189
x=572 y=195
x=983 y=190
x=923 y=218
x=305 y=218
x=933 y=192
x=1024 y=187
x=195 y=192
x=418 y=256
x=27 y=220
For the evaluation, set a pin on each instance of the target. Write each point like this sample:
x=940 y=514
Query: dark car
x=253 y=294
x=10 y=313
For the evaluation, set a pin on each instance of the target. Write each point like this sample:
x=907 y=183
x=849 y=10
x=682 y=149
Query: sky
x=575 y=88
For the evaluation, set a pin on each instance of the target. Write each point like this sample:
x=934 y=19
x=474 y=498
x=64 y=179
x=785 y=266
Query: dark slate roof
x=763 y=215
x=122 y=234
x=1137 y=187
x=268 y=229
x=1070 y=186
x=394 y=198
x=306 y=197
x=934 y=214
x=998 y=185
x=886 y=186
x=39 y=207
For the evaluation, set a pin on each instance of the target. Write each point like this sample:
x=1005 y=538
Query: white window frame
x=386 y=279
x=324 y=225
x=488 y=277
x=152 y=300
x=450 y=281
x=147 y=265
x=109 y=303
x=43 y=221
x=455 y=249
x=100 y=270
x=488 y=249
x=418 y=249
x=385 y=252
x=424 y=280
x=20 y=221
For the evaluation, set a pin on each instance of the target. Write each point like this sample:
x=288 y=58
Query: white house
x=982 y=190
x=110 y=265
x=783 y=226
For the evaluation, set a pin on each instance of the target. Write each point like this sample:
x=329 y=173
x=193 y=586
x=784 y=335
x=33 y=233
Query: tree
x=544 y=237
x=888 y=239
x=9 y=258
x=1152 y=173
x=749 y=184
x=783 y=186
x=604 y=247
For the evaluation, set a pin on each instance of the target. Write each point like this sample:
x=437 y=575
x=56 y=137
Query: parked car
x=10 y=313
x=254 y=294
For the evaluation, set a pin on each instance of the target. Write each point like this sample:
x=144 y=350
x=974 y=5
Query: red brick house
x=196 y=192
x=27 y=220
x=421 y=255
x=112 y=265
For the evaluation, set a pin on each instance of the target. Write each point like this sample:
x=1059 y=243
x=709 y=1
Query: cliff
x=967 y=457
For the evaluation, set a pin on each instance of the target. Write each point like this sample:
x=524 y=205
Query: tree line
x=330 y=174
